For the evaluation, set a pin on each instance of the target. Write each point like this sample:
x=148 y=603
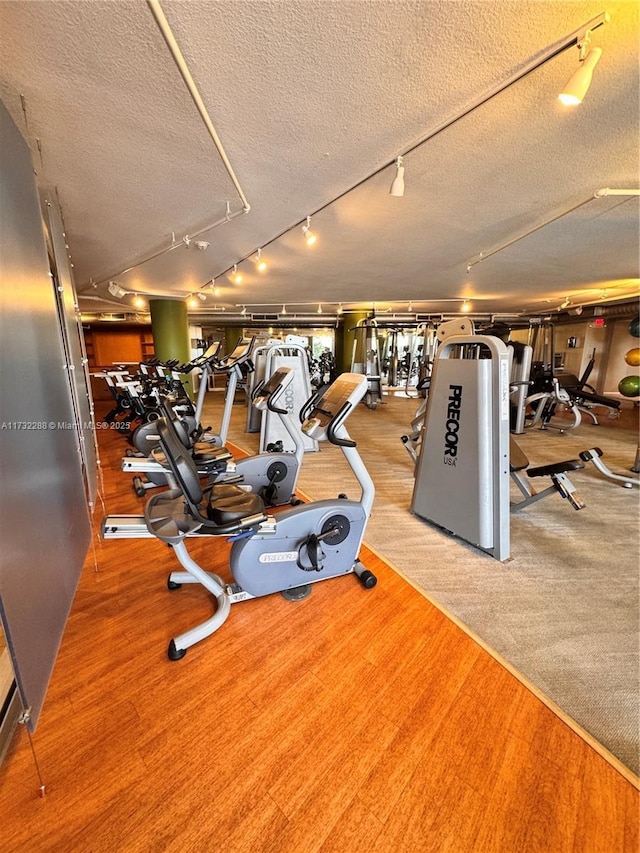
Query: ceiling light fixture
x=319 y=309
x=116 y=290
x=466 y=306
x=192 y=302
x=577 y=37
x=397 y=187
x=284 y=309
x=236 y=277
x=138 y=301
x=309 y=236
x=261 y=264
x=578 y=84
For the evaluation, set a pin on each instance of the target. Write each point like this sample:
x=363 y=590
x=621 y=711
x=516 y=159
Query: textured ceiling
x=311 y=100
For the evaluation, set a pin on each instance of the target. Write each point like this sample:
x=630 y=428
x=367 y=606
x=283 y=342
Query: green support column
x=231 y=336
x=345 y=351
x=170 y=329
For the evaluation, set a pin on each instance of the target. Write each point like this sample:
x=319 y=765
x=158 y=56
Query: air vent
x=265 y=318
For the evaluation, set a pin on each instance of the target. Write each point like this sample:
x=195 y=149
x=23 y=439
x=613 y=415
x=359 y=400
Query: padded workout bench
x=518 y=463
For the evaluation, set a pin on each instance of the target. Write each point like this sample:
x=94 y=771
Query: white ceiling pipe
x=603 y=193
x=608 y=191
x=172 y=44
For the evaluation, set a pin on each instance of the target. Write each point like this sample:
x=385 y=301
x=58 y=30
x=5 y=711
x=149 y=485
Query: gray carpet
x=563 y=611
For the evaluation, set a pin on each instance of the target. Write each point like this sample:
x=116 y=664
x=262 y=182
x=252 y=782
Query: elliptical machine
x=300 y=546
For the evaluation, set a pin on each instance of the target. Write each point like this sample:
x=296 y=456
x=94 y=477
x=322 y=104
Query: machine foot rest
x=175 y=654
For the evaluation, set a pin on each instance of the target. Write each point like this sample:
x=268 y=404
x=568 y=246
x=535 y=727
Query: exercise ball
x=633 y=357
x=629 y=386
x=634 y=327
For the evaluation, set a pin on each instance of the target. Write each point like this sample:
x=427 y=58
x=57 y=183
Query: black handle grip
x=334 y=423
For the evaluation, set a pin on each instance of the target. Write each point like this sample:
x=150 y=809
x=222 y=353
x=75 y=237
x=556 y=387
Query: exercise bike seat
x=228 y=510
x=213 y=465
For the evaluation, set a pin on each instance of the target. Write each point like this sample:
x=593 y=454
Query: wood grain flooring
x=355 y=720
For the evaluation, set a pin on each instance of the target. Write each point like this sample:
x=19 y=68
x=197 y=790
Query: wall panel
x=44 y=522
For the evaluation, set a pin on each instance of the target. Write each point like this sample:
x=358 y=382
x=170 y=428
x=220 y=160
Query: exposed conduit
x=174 y=245
x=172 y=44
x=549 y=53
x=598 y=194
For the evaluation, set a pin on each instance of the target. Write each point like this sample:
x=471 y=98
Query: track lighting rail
x=575 y=38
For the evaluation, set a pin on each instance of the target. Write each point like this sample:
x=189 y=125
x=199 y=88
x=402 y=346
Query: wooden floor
x=355 y=720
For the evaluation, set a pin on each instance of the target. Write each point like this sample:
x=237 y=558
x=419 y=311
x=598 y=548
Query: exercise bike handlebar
x=240 y=356
x=335 y=424
x=325 y=414
x=308 y=407
x=268 y=391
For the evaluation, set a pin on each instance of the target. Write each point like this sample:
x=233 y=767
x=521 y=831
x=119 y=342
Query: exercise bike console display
x=324 y=415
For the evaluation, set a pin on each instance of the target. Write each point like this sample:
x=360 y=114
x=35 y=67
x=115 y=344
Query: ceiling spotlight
x=236 y=277
x=202 y=296
x=244 y=311
x=202 y=245
x=309 y=236
x=192 y=302
x=319 y=309
x=397 y=187
x=284 y=309
x=261 y=264
x=566 y=302
x=578 y=84
x=466 y=306
x=116 y=290
x=138 y=301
